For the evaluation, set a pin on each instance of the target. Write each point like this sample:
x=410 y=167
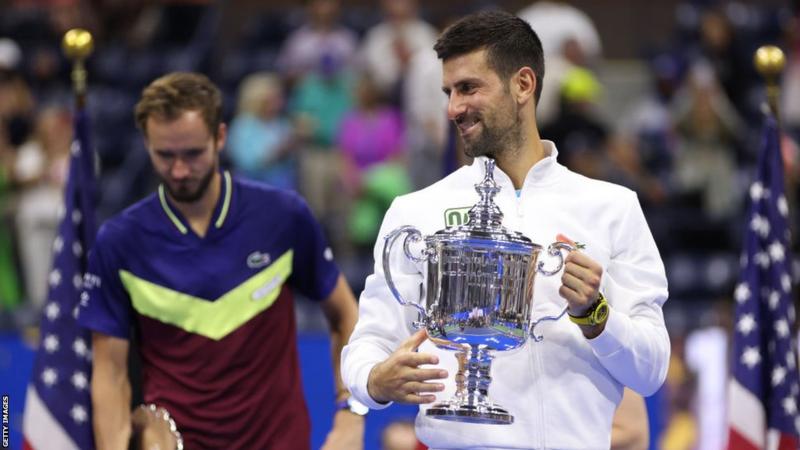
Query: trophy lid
x=485 y=218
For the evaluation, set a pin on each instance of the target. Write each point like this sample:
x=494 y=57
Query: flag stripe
x=37 y=418
x=747 y=418
x=738 y=442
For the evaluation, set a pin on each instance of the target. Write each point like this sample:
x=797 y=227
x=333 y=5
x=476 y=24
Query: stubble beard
x=185 y=196
x=497 y=140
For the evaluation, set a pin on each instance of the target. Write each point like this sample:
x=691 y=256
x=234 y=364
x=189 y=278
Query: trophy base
x=485 y=414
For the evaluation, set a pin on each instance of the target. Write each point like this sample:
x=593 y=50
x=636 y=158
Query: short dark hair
x=510 y=42
x=169 y=96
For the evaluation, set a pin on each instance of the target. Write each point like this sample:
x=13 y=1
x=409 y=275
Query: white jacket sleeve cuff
x=359 y=388
x=612 y=337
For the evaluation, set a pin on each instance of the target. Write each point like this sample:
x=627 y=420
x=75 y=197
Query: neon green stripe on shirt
x=212 y=319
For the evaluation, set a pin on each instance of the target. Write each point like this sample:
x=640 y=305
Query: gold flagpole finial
x=769 y=61
x=77 y=45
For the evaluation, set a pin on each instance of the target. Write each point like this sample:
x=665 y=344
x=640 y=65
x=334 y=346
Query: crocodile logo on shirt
x=456 y=216
x=258 y=259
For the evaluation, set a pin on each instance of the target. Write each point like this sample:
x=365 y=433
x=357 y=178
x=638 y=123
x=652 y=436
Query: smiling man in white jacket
x=563 y=391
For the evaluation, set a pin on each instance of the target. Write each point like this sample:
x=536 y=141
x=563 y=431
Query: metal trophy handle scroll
x=479 y=298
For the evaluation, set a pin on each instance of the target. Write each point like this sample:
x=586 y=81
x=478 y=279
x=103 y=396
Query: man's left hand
x=580 y=283
x=347 y=432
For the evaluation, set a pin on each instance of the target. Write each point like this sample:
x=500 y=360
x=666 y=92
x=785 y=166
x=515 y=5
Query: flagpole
x=769 y=61
x=77 y=45
x=58 y=411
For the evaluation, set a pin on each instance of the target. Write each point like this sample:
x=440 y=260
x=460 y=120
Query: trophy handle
x=414 y=235
x=553 y=250
x=538 y=338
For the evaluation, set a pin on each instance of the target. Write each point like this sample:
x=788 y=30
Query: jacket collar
x=544 y=172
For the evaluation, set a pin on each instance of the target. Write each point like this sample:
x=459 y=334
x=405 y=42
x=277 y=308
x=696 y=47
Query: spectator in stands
x=10 y=294
x=649 y=122
x=731 y=57
x=372 y=142
x=569 y=39
x=708 y=132
x=262 y=140
x=40 y=170
x=303 y=49
x=16 y=98
x=16 y=111
x=581 y=135
x=388 y=47
x=425 y=114
x=790 y=107
x=318 y=105
x=643 y=148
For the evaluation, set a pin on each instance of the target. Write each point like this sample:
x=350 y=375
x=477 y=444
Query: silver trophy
x=479 y=298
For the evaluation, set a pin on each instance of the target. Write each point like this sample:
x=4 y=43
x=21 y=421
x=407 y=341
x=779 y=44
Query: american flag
x=764 y=386
x=58 y=407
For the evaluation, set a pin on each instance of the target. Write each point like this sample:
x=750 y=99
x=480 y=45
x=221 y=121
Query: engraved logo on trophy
x=478 y=299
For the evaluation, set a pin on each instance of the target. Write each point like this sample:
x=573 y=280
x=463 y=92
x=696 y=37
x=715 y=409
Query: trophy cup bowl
x=478 y=299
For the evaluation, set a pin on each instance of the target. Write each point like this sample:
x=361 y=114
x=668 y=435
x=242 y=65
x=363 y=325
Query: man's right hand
x=399 y=378
x=151 y=429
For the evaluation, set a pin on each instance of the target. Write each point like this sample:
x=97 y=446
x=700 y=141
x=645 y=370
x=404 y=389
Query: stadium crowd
x=342 y=102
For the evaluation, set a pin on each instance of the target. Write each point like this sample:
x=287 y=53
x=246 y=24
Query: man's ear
x=523 y=85
x=222 y=136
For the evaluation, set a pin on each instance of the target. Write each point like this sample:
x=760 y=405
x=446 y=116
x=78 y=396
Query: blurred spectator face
x=184 y=153
x=272 y=103
x=54 y=131
x=399 y=10
x=573 y=52
x=704 y=88
x=261 y=95
x=324 y=12
x=715 y=30
x=480 y=105
x=665 y=76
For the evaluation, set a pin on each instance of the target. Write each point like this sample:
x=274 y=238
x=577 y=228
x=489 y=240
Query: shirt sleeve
x=314 y=272
x=383 y=324
x=105 y=306
x=634 y=346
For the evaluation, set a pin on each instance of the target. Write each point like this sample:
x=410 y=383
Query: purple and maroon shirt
x=215 y=314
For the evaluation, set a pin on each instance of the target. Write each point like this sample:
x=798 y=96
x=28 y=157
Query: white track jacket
x=563 y=391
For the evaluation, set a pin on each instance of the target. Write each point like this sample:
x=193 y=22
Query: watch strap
x=595 y=315
x=353 y=406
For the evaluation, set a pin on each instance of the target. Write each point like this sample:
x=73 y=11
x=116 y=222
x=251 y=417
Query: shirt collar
x=221 y=210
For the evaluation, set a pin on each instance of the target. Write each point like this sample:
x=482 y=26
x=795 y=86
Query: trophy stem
x=471 y=403
x=477 y=374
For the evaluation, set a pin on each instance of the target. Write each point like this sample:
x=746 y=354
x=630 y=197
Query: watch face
x=601 y=313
